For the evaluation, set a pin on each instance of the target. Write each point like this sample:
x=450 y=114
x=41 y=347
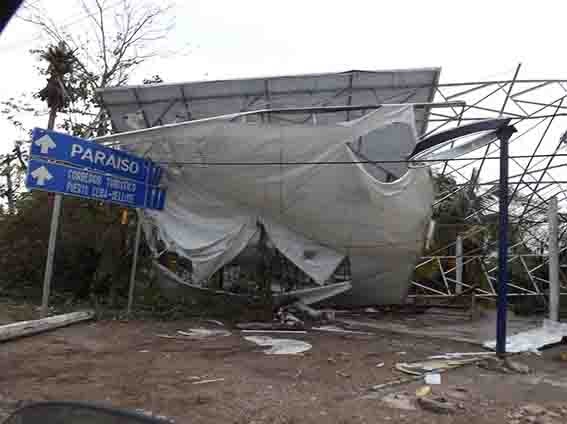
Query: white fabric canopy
x=224 y=177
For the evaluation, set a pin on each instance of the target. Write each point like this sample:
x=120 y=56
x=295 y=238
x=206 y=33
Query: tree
x=117 y=38
x=93 y=244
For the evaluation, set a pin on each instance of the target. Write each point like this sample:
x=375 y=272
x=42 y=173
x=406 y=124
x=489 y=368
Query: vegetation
x=94 y=247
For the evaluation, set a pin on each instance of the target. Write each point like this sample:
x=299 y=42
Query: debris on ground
x=549 y=333
x=380 y=365
x=28 y=328
x=269 y=326
x=517 y=366
x=196 y=334
x=335 y=329
x=212 y=380
x=151 y=414
x=458 y=393
x=439 y=405
x=460 y=355
x=203 y=333
x=396 y=382
x=280 y=346
x=433 y=378
x=423 y=391
x=506 y=366
x=287 y=318
x=536 y=414
x=308 y=311
x=274 y=331
x=399 y=401
x=433 y=365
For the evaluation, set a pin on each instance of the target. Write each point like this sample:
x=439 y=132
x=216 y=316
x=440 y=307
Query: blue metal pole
x=502 y=303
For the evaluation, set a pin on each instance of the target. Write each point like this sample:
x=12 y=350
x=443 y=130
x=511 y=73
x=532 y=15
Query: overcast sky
x=469 y=40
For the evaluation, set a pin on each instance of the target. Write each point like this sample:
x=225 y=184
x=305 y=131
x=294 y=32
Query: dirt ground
x=126 y=365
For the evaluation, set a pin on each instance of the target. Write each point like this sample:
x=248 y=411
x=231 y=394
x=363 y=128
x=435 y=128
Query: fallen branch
x=27 y=328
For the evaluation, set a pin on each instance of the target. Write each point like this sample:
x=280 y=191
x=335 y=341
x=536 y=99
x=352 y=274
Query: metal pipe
x=553 y=261
x=502 y=304
x=134 y=262
x=459 y=265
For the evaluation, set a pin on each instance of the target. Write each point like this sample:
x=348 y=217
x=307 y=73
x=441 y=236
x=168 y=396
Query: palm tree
x=61 y=63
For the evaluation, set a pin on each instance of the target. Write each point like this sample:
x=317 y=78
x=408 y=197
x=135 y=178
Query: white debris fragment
x=335 y=329
x=433 y=378
x=202 y=333
x=275 y=331
x=458 y=355
x=550 y=332
x=212 y=380
x=280 y=346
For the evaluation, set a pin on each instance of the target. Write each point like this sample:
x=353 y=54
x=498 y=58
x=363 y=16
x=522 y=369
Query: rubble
x=280 y=346
x=505 y=366
x=335 y=329
x=202 y=333
x=433 y=365
x=423 y=391
x=399 y=401
x=535 y=414
x=212 y=380
x=439 y=405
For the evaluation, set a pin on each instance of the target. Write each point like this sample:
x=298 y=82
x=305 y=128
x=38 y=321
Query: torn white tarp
x=550 y=332
x=304 y=184
x=280 y=346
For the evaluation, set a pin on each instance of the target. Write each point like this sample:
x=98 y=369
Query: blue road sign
x=53 y=145
x=69 y=180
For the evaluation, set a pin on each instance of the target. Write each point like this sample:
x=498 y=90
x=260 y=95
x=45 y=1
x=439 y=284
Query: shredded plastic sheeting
x=550 y=332
x=312 y=295
x=225 y=177
x=335 y=329
x=433 y=365
x=280 y=346
x=203 y=333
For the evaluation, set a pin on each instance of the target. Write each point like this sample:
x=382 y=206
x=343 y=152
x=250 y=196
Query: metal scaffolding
x=535 y=166
x=537 y=161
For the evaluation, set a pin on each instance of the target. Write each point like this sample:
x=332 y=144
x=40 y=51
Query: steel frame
x=538 y=177
x=533 y=181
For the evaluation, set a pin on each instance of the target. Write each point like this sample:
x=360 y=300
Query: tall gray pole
x=459 y=265
x=553 y=261
x=134 y=262
x=52 y=238
x=50 y=255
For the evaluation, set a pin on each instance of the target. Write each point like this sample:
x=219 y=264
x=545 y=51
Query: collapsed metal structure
x=534 y=107
x=536 y=177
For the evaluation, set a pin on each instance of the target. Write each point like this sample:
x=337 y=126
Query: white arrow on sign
x=45 y=143
x=41 y=174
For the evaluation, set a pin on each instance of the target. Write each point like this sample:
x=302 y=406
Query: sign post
x=66 y=165
x=134 y=261
x=50 y=255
